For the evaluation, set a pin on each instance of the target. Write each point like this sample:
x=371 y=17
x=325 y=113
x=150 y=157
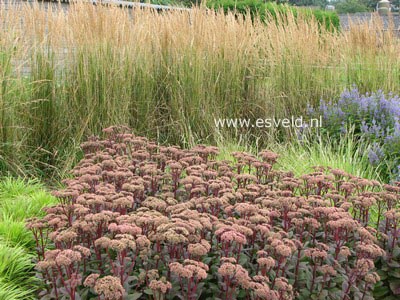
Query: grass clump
x=14 y=233
x=19 y=200
x=347 y=154
x=16 y=269
x=168 y=76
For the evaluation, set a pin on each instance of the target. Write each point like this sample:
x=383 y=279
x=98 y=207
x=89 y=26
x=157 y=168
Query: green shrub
x=329 y=19
x=268 y=9
x=350 y=7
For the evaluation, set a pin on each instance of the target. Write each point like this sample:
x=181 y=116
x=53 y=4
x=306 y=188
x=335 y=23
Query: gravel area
x=345 y=20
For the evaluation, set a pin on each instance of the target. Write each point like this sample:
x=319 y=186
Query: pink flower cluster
x=138 y=218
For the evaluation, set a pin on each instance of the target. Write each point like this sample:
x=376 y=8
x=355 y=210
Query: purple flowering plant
x=375 y=120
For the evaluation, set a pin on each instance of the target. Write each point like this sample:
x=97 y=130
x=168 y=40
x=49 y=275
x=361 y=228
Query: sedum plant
x=142 y=221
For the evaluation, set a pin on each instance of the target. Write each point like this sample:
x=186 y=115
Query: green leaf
x=148 y=292
x=395 y=286
x=382 y=275
x=394 y=273
x=243 y=259
x=396 y=252
x=134 y=296
x=207 y=260
x=306 y=293
x=393 y=264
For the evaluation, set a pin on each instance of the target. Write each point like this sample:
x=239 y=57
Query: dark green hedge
x=257 y=7
x=350 y=7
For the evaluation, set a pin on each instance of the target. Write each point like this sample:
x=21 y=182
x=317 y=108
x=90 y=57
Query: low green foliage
x=15 y=233
x=16 y=270
x=19 y=200
x=301 y=156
